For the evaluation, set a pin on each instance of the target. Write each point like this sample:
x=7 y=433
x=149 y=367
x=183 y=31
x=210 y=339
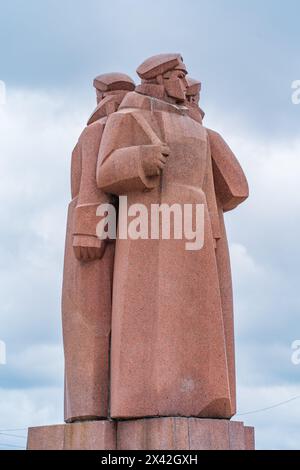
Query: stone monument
x=147 y=323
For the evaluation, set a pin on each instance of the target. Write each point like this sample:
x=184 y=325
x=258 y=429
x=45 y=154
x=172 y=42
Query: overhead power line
x=12 y=435
x=269 y=407
x=15 y=429
x=11 y=445
x=260 y=410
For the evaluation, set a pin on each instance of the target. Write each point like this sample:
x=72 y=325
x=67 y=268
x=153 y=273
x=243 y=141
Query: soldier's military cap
x=160 y=64
x=194 y=86
x=113 y=81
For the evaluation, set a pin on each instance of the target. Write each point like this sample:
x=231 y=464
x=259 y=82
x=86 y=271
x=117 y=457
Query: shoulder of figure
x=213 y=135
x=134 y=102
x=119 y=118
x=75 y=150
x=93 y=129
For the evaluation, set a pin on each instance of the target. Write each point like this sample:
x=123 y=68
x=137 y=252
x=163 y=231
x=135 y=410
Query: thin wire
x=12 y=435
x=15 y=429
x=11 y=445
x=260 y=410
x=269 y=407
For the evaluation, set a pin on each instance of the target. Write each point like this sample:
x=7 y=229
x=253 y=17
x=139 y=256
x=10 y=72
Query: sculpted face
x=99 y=95
x=117 y=94
x=175 y=85
x=194 y=99
x=107 y=103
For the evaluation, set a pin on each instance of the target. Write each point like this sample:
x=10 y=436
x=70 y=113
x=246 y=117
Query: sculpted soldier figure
x=192 y=99
x=147 y=316
x=231 y=189
x=88 y=267
x=172 y=332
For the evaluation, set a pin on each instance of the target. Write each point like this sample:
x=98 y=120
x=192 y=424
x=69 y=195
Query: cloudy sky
x=246 y=54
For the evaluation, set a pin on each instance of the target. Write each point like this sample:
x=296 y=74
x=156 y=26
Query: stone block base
x=144 y=434
x=88 y=435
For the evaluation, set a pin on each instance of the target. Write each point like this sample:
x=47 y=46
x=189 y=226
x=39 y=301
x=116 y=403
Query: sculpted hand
x=88 y=248
x=154 y=159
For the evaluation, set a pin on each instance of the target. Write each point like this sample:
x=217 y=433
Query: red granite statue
x=148 y=320
x=88 y=267
x=171 y=347
x=231 y=189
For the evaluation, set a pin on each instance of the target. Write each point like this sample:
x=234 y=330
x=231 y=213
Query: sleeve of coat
x=89 y=195
x=75 y=171
x=209 y=189
x=123 y=147
x=230 y=181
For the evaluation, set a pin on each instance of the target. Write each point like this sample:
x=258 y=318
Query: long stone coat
x=168 y=350
x=86 y=293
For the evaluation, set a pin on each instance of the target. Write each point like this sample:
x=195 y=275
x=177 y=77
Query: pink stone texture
x=231 y=189
x=88 y=269
x=144 y=434
x=86 y=315
x=78 y=436
x=46 y=437
x=172 y=348
x=147 y=324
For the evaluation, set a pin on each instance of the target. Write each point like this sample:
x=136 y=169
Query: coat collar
x=138 y=101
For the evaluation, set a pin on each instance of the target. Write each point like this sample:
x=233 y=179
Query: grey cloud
x=33 y=242
x=244 y=52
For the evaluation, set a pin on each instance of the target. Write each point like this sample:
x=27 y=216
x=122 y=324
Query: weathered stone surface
x=89 y=435
x=88 y=269
x=144 y=434
x=184 y=434
x=147 y=322
x=172 y=347
x=46 y=437
x=250 y=437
